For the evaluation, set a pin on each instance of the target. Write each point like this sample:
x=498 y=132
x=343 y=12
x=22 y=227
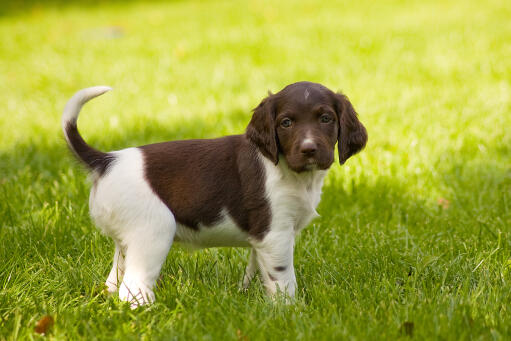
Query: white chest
x=293 y=197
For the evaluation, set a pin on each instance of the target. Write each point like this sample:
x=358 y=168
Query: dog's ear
x=261 y=129
x=352 y=134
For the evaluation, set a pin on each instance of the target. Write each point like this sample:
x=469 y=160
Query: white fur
x=223 y=233
x=74 y=105
x=307 y=140
x=124 y=206
x=293 y=200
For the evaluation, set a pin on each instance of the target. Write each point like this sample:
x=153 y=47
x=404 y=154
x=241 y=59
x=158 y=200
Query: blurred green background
x=414 y=238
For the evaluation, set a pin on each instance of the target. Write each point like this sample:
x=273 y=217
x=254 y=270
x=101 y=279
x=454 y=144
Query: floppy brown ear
x=261 y=129
x=352 y=134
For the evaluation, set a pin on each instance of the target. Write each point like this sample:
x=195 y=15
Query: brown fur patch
x=197 y=179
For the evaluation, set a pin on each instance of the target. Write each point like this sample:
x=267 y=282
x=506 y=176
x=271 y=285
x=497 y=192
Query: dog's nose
x=308 y=147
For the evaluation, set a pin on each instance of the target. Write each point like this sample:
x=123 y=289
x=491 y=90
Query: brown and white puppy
x=255 y=190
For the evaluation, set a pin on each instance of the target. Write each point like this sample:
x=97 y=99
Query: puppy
x=254 y=190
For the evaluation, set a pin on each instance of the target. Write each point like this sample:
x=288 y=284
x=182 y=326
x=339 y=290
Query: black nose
x=308 y=148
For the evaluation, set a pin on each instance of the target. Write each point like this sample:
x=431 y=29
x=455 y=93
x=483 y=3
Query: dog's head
x=303 y=122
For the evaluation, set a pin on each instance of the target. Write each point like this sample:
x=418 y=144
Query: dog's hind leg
x=116 y=274
x=146 y=249
x=125 y=207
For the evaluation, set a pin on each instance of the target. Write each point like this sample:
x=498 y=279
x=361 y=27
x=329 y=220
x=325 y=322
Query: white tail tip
x=76 y=102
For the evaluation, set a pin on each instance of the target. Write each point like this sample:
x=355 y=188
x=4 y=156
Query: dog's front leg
x=274 y=256
x=251 y=269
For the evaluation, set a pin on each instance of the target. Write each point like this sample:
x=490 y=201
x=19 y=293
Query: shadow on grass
x=18 y=7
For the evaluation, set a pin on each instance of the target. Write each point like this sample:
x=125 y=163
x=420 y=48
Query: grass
x=414 y=239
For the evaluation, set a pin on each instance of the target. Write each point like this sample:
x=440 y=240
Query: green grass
x=386 y=260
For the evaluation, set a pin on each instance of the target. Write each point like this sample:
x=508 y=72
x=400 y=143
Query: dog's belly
x=223 y=233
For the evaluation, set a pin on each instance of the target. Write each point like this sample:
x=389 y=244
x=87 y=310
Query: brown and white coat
x=253 y=190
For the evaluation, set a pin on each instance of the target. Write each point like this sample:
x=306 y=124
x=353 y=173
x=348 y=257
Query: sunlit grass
x=414 y=234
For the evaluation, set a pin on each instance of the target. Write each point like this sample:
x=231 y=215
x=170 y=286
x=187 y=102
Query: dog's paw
x=135 y=293
x=110 y=288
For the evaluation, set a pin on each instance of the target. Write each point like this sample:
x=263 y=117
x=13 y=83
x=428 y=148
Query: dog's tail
x=92 y=158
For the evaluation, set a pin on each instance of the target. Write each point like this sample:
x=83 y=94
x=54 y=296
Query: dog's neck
x=298 y=194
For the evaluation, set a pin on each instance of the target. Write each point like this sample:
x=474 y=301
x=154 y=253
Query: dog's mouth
x=321 y=160
x=309 y=164
x=311 y=167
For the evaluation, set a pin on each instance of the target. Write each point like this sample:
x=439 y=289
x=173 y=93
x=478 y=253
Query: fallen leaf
x=444 y=203
x=240 y=335
x=44 y=325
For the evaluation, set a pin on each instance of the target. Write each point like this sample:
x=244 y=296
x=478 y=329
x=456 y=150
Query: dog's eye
x=286 y=123
x=325 y=118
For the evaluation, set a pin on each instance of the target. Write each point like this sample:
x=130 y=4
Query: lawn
x=414 y=238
